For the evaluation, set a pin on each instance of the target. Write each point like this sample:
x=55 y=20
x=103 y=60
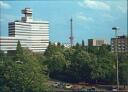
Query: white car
x=68 y=86
x=114 y=89
x=56 y=84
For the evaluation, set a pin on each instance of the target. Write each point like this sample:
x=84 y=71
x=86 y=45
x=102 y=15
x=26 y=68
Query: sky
x=92 y=19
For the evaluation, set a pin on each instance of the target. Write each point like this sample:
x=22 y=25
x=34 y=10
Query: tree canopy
x=26 y=71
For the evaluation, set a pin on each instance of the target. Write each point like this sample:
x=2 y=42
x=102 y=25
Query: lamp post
x=116 y=51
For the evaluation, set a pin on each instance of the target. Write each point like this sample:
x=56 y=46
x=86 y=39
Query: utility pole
x=116 y=51
x=127 y=37
x=71 y=36
x=0 y=21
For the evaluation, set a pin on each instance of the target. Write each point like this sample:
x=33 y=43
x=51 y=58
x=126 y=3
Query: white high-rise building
x=32 y=34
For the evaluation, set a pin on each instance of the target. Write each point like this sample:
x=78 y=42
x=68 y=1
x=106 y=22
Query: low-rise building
x=94 y=42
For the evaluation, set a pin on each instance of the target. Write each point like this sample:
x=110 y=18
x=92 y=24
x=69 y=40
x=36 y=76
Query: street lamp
x=116 y=51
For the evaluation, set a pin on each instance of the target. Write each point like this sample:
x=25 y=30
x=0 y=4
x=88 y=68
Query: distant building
x=121 y=43
x=32 y=34
x=67 y=45
x=94 y=42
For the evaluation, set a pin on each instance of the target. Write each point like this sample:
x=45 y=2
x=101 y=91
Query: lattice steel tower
x=71 y=36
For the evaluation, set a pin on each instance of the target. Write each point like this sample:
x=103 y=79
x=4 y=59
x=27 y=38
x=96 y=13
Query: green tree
x=102 y=70
x=79 y=69
x=83 y=43
x=56 y=64
x=58 y=44
x=103 y=50
x=123 y=73
x=68 y=53
x=52 y=49
x=23 y=76
x=1 y=55
x=123 y=56
x=19 y=51
x=93 y=49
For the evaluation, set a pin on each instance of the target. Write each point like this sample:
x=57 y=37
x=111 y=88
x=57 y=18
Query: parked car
x=83 y=90
x=114 y=89
x=91 y=89
x=68 y=86
x=56 y=84
x=62 y=85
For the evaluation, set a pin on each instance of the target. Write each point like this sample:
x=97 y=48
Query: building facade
x=120 y=44
x=32 y=34
x=94 y=42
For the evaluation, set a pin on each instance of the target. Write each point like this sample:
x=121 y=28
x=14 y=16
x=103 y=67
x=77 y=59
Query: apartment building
x=120 y=44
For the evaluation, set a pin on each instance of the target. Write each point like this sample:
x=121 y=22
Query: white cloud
x=4 y=5
x=123 y=9
x=1 y=19
x=118 y=6
x=100 y=5
x=106 y=15
x=8 y=18
x=83 y=17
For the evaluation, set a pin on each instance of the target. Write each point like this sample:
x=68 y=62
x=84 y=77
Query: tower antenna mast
x=71 y=36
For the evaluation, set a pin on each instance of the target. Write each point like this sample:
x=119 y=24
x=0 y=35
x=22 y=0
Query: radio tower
x=71 y=36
